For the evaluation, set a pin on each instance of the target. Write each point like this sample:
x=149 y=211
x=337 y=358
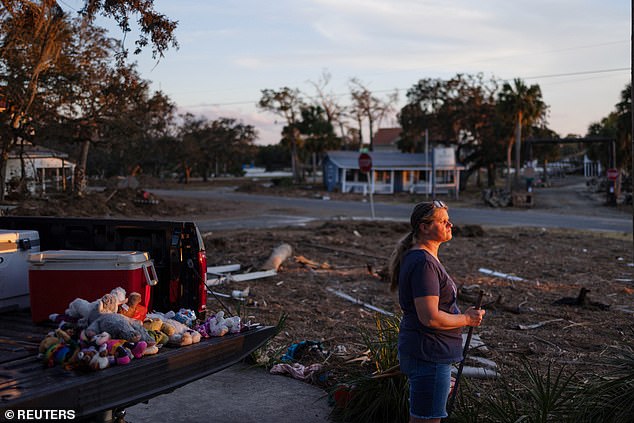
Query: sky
x=577 y=51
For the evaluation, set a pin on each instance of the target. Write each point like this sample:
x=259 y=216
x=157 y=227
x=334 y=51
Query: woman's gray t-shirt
x=422 y=275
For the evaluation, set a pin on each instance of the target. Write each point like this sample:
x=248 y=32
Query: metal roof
x=383 y=160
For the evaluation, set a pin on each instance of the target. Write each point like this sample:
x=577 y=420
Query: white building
x=437 y=172
x=44 y=169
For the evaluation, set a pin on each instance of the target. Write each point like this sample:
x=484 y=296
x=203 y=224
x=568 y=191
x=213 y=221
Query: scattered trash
x=476 y=342
x=484 y=361
x=221 y=270
x=347 y=251
x=310 y=263
x=356 y=233
x=297 y=350
x=500 y=274
x=356 y=301
x=298 y=371
x=477 y=372
x=537 y=325
x=241 y=277
x=240 y=295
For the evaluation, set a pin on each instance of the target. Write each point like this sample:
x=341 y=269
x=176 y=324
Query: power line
x=557 y=75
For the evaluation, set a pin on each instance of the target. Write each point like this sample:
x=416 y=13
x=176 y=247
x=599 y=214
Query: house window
x=383 y=176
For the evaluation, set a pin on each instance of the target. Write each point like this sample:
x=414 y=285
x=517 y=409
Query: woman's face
x=439 y=229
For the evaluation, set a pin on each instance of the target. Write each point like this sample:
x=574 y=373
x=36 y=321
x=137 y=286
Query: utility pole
x=632 y=101
x=428 y=190
x=518 y=149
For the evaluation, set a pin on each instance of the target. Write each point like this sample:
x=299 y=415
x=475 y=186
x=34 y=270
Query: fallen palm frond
x=534 y=396
x=378 y=392
x=610 y=398
x=263 y=355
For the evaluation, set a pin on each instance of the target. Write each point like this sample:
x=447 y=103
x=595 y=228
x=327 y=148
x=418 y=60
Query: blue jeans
x=429 y=386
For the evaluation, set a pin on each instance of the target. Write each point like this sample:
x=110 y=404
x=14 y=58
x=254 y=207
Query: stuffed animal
x=217 y=325
x=92 y=359
x=179 y=333
x=184 y=316
x=86 y=312
x=133 y=307
x=153 y=327
x=119 y=350
x=58 y=347
x=119 y=295
x=119 y=327
x=49 y=340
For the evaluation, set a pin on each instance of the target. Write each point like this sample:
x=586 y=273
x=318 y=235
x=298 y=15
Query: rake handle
x=454 y=392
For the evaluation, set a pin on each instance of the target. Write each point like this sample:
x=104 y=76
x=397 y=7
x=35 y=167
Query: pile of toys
x=116 y=329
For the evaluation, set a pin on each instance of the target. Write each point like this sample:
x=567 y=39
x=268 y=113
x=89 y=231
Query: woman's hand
x=474 y=316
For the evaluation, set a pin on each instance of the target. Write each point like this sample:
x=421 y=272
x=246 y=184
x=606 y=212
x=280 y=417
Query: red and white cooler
x=57 y=277
x=15 y=246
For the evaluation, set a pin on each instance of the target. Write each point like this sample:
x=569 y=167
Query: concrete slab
x=240 y=393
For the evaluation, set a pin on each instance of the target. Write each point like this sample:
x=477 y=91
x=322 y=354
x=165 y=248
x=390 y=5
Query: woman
x=430 y=336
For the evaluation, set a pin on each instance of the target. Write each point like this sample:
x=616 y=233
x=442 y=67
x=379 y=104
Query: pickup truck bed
x=26 y=384
x=178 y=253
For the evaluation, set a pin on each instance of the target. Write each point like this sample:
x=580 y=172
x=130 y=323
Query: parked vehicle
x=178 y=255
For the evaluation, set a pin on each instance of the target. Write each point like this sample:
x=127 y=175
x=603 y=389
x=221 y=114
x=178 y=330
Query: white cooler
x=15 y=247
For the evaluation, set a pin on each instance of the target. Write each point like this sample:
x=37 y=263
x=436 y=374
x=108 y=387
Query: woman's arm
x=432 y=317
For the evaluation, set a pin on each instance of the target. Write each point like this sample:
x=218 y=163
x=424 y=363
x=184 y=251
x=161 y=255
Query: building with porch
x=44 y=169
x=392 y=172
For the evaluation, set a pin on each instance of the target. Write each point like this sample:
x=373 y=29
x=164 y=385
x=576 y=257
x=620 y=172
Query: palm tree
x=526 y=107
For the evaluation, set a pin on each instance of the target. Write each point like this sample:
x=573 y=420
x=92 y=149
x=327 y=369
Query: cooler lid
x=62 y=256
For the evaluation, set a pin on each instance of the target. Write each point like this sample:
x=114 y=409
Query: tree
x=98 y=92
x=317 y=133
x=33 y=35
x=458 y=111
x=225 y=144
x=367 y=106
x=287 y=103
x=334 y=111
x=525 y=106
x=231 y=143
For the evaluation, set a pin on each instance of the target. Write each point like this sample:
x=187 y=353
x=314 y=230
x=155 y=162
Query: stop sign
x=612 y=174
x=365 y=162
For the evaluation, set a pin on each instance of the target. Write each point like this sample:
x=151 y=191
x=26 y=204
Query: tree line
x=66 y=85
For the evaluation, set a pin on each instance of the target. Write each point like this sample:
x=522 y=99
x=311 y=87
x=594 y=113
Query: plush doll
x=86 y=312
x=133 y=307
x=153 y=327
x=62 y=351
x=92 y=359
x=99 y=360
x=119 y=327
x=179 y=333
x=120 y=297
x=49 y=341
x=217 y=325
x=184 y=316
x=120 y=350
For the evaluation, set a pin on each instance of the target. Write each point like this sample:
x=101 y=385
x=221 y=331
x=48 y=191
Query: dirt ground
x=350 y=257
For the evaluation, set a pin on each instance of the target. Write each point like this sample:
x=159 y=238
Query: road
x=266 y=211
